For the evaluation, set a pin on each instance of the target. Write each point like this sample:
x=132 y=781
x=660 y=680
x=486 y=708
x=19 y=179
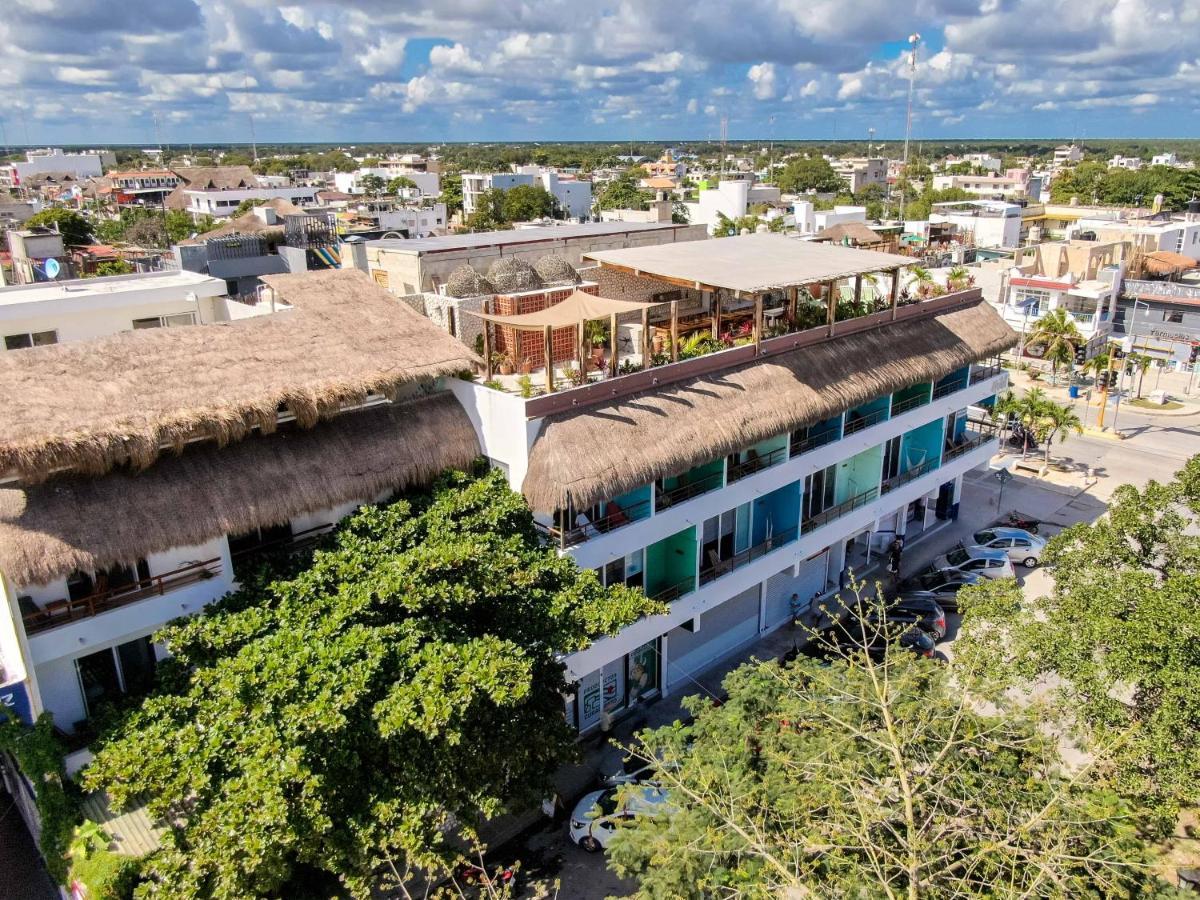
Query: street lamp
x=914 y=41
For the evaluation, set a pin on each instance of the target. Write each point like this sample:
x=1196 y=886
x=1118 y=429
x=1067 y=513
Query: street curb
x=1092 y=431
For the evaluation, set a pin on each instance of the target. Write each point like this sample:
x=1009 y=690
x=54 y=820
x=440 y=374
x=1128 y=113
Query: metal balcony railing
x=813 y=441
x=747 y=556
x=592 y=528
x=665 y=498
x=908 y=404
x=825 y=516
x=756 y=463
x=61 y=612
x=856 y=424
x=903 y=478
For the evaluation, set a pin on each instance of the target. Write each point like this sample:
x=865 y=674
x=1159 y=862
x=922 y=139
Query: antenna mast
x=914 y=41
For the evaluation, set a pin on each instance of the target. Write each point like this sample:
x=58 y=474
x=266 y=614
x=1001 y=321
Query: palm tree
x=1005 y=407
x=1141 y=364
x=1096 y=365
x=923 y=280
x=959 y=278
x=1056 y=419
x=1029 y=411
x=1058 y=334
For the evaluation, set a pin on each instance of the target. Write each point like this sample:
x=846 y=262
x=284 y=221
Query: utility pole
x=914 y=41
x=1104 y=392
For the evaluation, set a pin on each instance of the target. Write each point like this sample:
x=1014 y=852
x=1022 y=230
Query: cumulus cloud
x=467 y=70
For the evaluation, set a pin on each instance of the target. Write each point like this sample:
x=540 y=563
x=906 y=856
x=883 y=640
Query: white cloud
x=383 y=57
x=693 y=106
x=762 y=76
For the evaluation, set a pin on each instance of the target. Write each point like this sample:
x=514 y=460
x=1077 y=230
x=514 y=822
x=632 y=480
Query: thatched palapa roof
x=91 y=405
x=252 y=223
x=52 y=529
x=603 y=451
x=554 y=270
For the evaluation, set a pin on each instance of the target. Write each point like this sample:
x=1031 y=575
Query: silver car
x=1020 y=546
x=980 y=560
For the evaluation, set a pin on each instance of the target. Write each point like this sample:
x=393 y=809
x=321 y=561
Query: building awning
x=578 y=307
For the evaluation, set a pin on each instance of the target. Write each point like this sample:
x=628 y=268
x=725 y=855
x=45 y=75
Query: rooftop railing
x=594 y=527
x=674 y=591
x=944 y=390
x=664 y=498
x=968 y=442
x=62 y=612
x=814 y=440
x=910 y=403
x=985 y=373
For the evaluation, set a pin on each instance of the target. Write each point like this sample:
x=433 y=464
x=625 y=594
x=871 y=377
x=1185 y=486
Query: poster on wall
x=612 y=692
x=589 y=704
x=643 y=671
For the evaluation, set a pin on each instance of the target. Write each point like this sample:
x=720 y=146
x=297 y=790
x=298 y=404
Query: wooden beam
x=487 y=341
x=895 y=292
x=579 y=349
x=858 y=290
x=831 y=306
x=612 y=345
x=758 y=320
x=716 y=315
x=793 y=302
x=645 y=338
x=548 y=349
x=674 y=331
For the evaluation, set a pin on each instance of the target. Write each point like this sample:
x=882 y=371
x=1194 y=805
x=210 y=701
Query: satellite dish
x=52 y=268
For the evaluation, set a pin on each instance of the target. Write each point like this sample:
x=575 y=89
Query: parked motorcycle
x=1019 y=521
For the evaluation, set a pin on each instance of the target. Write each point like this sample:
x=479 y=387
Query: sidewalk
x=1021 y=382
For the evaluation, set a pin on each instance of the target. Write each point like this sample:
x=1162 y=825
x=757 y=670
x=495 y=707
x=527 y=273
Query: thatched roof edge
x=52 y=529
x=603 y=451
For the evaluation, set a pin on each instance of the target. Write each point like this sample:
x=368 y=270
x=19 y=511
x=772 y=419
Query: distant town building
x=88 y=164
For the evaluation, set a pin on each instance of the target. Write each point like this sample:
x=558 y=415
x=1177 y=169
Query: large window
x=818 y=492
x=891 y=458
x=628 y=570
x=30 y=339
x=115 y=578
x=125 y=669
x=1035 y=300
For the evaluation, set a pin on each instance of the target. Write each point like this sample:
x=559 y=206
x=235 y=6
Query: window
x=165 y=321
x=258 y=538
x=1173 y=317
x=116 y=578
x=125 y=669
x=818 y=492
x=30 y=339
x=627 y=570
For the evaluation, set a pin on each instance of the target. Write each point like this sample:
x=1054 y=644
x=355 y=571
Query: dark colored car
x=848 y=637
x=922 y=611
x=942 y=586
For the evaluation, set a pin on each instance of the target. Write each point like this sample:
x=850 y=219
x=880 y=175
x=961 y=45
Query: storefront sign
x=15 y=696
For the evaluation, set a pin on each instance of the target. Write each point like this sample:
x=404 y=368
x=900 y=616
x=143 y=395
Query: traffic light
x=1081 y=354
x=1102 y=381
x=1195 y=354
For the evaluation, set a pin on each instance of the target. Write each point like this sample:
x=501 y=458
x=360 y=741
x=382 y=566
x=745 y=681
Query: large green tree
x=625 y=192
x=74 y=227
x=349 y=718
x=526 y=202
x=1058 y=336
x=809 y=173
x=858 y=778
x=1118 y=633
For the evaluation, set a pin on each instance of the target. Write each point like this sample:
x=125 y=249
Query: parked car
x=942 y=586
x=847 y=637
x=979 y=560
x=597 y=815
x=922 y=611
x=1021 y=546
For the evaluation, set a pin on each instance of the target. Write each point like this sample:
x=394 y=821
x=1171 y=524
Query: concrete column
x=958 y=485
x=663 y=657
x=762 y=606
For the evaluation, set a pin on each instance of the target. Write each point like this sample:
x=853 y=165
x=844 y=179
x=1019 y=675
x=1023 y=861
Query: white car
x=597 y=815
x=1021 y=546
x=980 y=560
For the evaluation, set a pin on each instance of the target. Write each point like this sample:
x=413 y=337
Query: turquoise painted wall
x=921 y=444
x=869 y=407
x=671 y=561
x=782 y=508
x=859 y=473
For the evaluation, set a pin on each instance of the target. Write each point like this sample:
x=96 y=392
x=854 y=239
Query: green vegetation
x=623 y=192
x=1118 y=633
x=312 y=729
x=74 y=227
x=1058 y=336
x=105 y=875
x=39 y=754
x=400 y=183
x=152 y=227
x=1040 y=416
x=110 y=267
x=808 y=173
x=1094 y=182
x=862 y=778
x=499 y=209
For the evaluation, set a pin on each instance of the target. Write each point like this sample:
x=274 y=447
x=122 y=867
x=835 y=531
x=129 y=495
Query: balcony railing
x=825 y=516
x=943 y=390
x=911 y=403
x=610 y=521
x=756 y=463
x=967 y=443
x=813 y=441
x=710 y=482
x=747 y=556
x=854 y=424
x=983 y=374
x=294 y=543
x=674 y=591
x=60 y=612
x=890 y=484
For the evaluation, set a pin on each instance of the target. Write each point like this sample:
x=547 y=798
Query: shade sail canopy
x=579 y=307
x=751 y=263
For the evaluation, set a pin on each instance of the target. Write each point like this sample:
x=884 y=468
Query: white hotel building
x=721 y=484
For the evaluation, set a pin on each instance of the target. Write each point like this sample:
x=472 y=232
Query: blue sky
x=91 y=71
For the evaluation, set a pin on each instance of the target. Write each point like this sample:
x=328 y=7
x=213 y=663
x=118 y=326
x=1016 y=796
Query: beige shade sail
x=578 y=307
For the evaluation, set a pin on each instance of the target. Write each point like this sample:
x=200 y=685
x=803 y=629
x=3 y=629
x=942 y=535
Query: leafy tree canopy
x=1093 y=181
x=623 y=192
x=808 y=173
x=860 y=778
x=398 y=687
x=74 y=227
x=400 y=183
x=1118 y=630
x=525 y=202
